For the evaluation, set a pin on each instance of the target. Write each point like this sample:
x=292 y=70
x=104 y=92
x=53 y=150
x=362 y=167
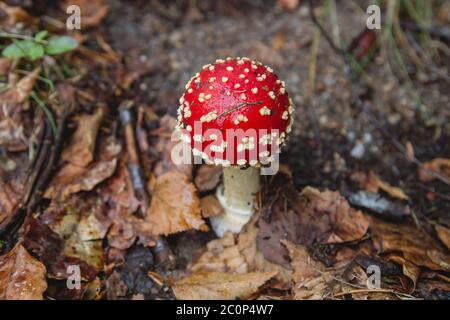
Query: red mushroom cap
x=235 y=112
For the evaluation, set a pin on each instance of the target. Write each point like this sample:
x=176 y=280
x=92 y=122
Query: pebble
x=358 y=150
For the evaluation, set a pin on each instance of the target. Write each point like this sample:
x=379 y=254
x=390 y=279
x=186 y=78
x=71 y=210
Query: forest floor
x=364 y=181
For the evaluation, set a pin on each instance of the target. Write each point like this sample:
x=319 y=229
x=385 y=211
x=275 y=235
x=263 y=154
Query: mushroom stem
x=237 y=197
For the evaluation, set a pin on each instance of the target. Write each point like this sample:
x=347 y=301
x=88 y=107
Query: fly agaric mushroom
x=235 y=113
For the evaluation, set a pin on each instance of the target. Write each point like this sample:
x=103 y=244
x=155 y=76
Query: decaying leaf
x=220 y=286
x=5 y=65
x=208 y=177
x=22 y=277
x=10 y=196
x=443 y=234
x=165 y=145
x=372 y=183
x=92 y=11
x=13 y=15
x=78 y=223
x=239 y=255
x=72 y=179
x=438 y=165
x=175 y=206
x=80 y=150
x=415 y=245
x=311 y=217
x=210 y=206
x=12 y=131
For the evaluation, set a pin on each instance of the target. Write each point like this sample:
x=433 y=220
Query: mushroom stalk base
x=237 y=197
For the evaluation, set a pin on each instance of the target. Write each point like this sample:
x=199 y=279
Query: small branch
x=240 y=105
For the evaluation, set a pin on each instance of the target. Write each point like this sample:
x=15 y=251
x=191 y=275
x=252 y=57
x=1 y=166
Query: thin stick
x=240 y=105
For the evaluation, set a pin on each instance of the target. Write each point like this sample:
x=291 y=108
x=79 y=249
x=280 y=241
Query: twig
x=134 y=166
x=240 y=105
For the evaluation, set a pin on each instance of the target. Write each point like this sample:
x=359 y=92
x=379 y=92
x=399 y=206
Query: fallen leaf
x=409 y=269
x=10 y=197
x=47 y=246
x=13 y=15
x=92 y=11
x=22 y=277
x=20 y=92
x=207 y=177
x=175 y=206
x=220 y=286
x=164 y=146
x=5 y=65
x=80 y=150
x=415 y=245
x=310 y=217
x=289 y=4
x=210 y=206
x=78 y=223
x=443 y=234
x=438 y=165
x=370 y=182
x=72 y=179
x=13 y=132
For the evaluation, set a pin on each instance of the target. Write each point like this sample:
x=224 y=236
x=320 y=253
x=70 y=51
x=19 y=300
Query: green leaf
x=40 y=35
x=24 y=48
x=61 y=44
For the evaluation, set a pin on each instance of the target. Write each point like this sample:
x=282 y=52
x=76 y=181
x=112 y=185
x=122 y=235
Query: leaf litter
x=309 y=239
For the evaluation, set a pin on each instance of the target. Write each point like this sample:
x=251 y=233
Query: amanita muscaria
x=236 y=113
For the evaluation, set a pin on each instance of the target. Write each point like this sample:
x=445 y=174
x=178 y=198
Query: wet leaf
x=175 y=206
x=22 y=277
x=373 y=184
x=80 y=150
x=311 y=217
x=92 y=11
x=443 y=234
x=438 y=165
x=72 y=179
x=415 y=245
x=220 y=286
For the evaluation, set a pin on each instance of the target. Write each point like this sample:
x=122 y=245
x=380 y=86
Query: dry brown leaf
x=415 y=244
x=311 y=281
x=372 y=183
x=22 y=277
x=81 y=228
x=164 y=146
x=13 y=15
x=443 y=234
x=175 y=206
x=20 y=92
x=92 y=11
x=5 y=65
x=10 y=197
x=72 y=179
x=409 y=269
x=220 y=286
x=347 y=223
x=221 y=255
x=12 y=129
x=210 y=206
x=438 y=165
x=208 y=177
x=289 y=4
x=80 y=150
